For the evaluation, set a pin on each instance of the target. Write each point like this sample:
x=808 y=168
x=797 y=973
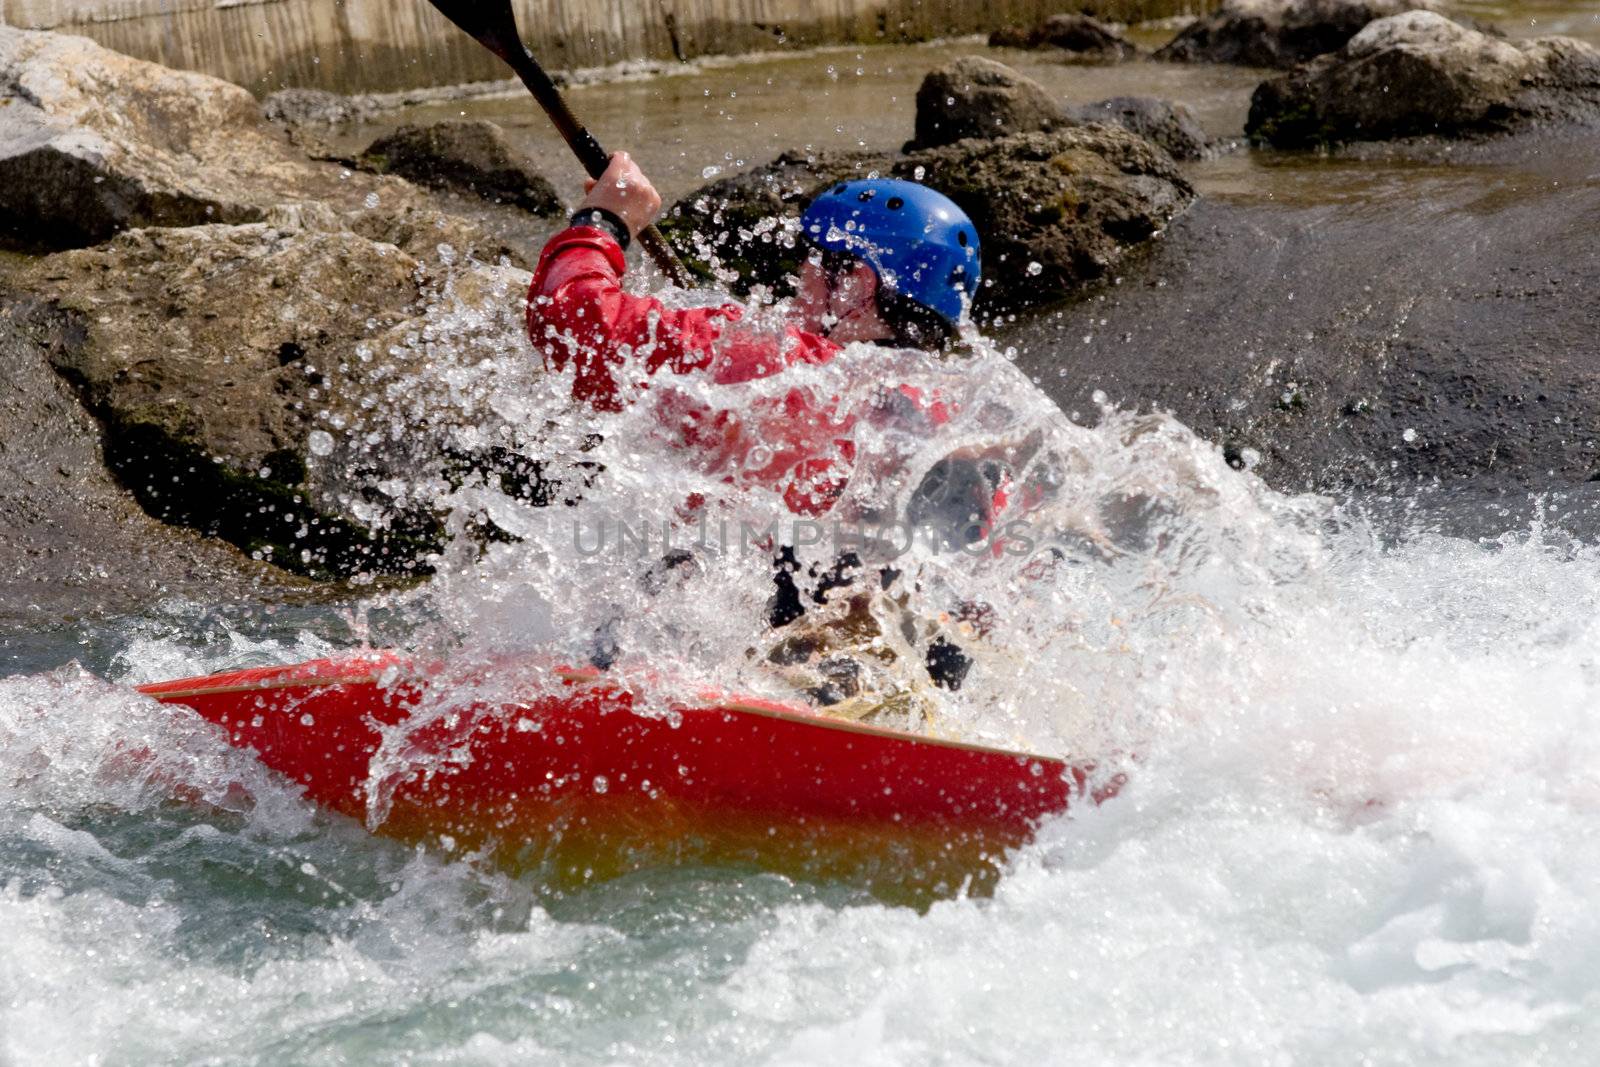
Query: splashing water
x=1364 y=770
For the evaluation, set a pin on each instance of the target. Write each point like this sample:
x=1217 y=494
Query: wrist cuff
x=602 y=219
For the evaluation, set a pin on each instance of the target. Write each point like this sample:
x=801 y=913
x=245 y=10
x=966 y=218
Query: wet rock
x=313 y=107
x=1420 y=74
x=1014 y=37
x=73 y=543
x=742 y=229
x=472 y=157
x=1369 y=340
x=93 y=142
x=1054 y=210
x=249 y=382
x=977 y=97
x=1079 y=34
x=1172 y=126
x=1278 y=33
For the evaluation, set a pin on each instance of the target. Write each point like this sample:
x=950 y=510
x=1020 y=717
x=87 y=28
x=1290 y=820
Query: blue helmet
x=920 y=244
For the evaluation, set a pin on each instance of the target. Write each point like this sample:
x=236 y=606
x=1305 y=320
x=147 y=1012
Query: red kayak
x=579 y=783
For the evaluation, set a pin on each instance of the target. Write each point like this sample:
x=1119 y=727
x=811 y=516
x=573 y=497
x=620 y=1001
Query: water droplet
x=320 y=442
x=1409 y=436
x=1035 y=269
x=601 y=784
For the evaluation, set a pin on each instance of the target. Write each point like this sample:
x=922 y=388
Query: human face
x=837 y=298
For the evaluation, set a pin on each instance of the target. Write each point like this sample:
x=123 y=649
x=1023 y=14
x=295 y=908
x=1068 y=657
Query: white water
x=1360 y=827
x=1360 y=823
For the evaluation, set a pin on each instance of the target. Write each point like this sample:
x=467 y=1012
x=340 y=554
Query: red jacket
x=578 y=314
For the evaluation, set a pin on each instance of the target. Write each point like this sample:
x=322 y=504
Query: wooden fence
x=373 y=45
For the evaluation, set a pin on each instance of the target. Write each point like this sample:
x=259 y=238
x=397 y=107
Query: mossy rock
x=1053 y=210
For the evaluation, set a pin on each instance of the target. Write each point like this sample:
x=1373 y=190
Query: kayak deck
x=578 y=783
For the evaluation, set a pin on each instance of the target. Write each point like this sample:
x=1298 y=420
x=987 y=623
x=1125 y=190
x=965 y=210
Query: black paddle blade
x=491 y=22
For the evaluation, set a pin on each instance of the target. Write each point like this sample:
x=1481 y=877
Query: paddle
x=493 y=24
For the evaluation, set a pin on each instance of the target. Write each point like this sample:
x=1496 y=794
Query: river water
x=1361 y=825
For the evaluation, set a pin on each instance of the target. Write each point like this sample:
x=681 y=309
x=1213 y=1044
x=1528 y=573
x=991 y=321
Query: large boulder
x=743 y=229
x=1278 y=33
x=93 y=142
x=73 y=543
x=1054 y=210
x=1172 y=126
x=1084 y=37
x=470 y=156
x=978 y=97
x=1421 y=74
x=251 y=381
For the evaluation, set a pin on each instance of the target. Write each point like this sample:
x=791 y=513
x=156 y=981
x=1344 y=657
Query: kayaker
x=890 y=263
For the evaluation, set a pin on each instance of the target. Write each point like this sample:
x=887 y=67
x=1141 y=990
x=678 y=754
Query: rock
x=977 y=97
x=742 y=229
x=1013 y=37
x=468 y=156
x=73 y=543
x=93 y=143
x=1369 y=347
x=252 y=382
x=1420 y=74
x=313 y=107
x=1278 y=33
x=1079 y=34
x=1172 y=126
x=1054 y=210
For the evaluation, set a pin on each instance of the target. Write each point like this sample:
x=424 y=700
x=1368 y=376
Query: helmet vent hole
x=895 y=203
x=866 y=195
x=838 y=191
x=962 y=238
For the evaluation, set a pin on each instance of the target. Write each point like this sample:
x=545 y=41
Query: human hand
x=624 y=191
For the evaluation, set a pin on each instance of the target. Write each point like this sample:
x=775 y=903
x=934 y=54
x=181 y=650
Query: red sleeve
x=578 y=313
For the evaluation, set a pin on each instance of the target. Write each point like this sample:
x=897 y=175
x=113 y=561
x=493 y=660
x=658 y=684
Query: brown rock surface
x=978 y=97
x=1084 y=37
x=1053 y=210
x=250 y=381
x=1420 y=74
x=468 y=156
x=93 y=142
x=1278 y=33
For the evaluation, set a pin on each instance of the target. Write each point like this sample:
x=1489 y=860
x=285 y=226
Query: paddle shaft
x=493 y=24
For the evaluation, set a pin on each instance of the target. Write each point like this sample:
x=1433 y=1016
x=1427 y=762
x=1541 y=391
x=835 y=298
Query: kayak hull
x=581 y=782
